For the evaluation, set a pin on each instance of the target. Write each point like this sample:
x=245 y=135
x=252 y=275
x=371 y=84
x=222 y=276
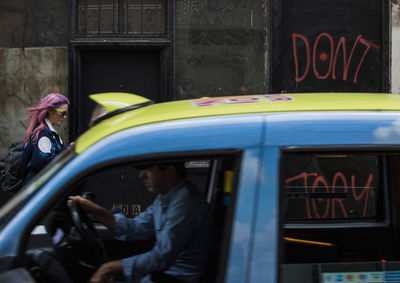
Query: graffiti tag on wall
x=313 y=58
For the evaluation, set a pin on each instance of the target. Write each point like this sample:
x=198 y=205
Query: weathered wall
x=220 y=48
x=395 y=58
x=33 y=23
x=330 y=46
x=25 y=76
x=33 y=61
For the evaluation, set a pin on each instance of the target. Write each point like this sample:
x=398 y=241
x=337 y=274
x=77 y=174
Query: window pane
x=135 y=17
x=121 y=186
x=339 y=216
x=108 y=16
x=88 y=13
x=331 y=187
x=81 y=15
x=121 y=17
x=220 y=48
x=154 y=17
x=92 y=17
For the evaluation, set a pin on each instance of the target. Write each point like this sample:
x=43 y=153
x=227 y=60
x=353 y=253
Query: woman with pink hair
x=42 y=142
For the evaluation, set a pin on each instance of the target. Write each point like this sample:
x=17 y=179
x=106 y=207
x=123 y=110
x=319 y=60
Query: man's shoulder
x=189 y=193
x=187 y=189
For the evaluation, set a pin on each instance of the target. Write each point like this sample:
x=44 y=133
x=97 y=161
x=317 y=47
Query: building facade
x=170 y=50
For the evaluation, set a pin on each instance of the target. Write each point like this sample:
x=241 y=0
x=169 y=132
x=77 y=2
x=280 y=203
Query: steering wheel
x=88 y=234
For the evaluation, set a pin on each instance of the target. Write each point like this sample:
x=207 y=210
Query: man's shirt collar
x=165 y=199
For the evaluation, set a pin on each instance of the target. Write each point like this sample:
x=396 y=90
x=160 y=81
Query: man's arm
x=174 y=234
x=102 y=214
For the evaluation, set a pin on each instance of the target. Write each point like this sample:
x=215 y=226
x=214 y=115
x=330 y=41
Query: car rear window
x=339 y=216
x=331 y=187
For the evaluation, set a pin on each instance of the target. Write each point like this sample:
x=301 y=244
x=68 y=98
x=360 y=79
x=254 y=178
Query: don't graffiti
x=317 y=56
x=312 y=181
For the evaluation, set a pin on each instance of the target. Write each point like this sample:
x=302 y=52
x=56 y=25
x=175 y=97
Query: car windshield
x=11 y=208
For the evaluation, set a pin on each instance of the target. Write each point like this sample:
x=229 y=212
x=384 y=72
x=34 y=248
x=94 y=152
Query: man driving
x=179 y=220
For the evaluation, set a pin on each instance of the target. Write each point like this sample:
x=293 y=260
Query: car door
x=327 y=208
x=221 y=156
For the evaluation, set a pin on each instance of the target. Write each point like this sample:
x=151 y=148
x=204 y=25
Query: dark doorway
x=136 y=71
x=330 y=46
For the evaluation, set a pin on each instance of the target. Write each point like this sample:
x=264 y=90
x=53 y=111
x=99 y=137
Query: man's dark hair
x=179 y=167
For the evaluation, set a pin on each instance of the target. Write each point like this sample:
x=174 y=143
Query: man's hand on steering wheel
x=78 y=207
x=87 y=205
x=102 y=214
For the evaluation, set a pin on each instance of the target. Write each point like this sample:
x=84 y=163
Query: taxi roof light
x=113 y=103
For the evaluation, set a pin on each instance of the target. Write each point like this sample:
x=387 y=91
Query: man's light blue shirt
x=181 y=223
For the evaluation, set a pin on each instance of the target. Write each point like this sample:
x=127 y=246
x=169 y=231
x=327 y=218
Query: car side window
x=119 y=186
x=339 y=212
x=332 y=187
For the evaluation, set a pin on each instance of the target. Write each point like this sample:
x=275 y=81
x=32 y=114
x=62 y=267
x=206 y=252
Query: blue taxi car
x=304 y=187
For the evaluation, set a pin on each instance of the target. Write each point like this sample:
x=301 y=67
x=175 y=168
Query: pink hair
x=39 y=113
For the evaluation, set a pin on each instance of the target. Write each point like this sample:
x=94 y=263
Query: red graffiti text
x=312 y=182
x=332 y=56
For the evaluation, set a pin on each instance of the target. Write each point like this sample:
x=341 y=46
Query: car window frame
x=67 y=187
x=384 y=150
x=11 y=208
x=388 y=184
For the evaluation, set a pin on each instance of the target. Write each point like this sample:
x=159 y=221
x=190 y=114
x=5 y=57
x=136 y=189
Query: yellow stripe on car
x=215 y=106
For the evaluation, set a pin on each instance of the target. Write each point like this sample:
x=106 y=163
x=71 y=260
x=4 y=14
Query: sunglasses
x=63 y=112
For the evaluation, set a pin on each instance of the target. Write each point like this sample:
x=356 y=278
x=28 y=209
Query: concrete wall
x=33 y=23
x=25 y=76
x=395 y=58
x=33 y=61
x=218 y=51
x=220 y=48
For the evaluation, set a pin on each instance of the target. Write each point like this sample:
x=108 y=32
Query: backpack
x=10 y=178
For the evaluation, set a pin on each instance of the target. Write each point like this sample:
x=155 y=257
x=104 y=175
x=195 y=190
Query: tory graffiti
x=338 y=198
x=318 y=56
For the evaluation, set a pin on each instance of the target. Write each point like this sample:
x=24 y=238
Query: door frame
x=76 y=48
x=78 y=43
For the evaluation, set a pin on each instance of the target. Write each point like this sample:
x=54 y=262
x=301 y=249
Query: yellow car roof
x=216 y=106
x=116 y=100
